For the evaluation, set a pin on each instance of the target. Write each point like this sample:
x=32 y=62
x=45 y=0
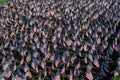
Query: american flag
x=85 y=59
x=38 y=45
x=55 y=45
x=26 y=67
x=57 y=76
x=13 y=77
x=57 y=61
x=33 y=64
x=90 y=66
x=52 y=57
x=90 y=57
x=42 y=64
x=1 y=77
x=53 y=67
x=89 y=75
x=35 y=53
x=28 y=74
x=28 y=58
x=33 y=46
x=22 y=61
x=59 y=35
x=78 y=65
x=35 y=38
x=31 y=33
x=64 y=58
x=54 y=39
x=95 y=62
x=73 y=57
x=76 y=72
x=7 y=73
x=35 y=29
x=39 y=76
x=69 y=42
x=14 y=66
x=70 y=75
x=5 y=65
x=45 y=73
x=63 y=70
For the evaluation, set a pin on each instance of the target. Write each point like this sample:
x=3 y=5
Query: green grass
x=116 y=78
x=3 y=1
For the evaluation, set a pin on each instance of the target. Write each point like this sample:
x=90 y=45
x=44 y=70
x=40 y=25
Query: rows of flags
x=54 y=40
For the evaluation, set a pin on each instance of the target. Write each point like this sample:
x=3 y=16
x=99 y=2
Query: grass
x=3 y=1
x=117 y=78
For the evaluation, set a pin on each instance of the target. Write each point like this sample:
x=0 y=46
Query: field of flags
x=59 y=40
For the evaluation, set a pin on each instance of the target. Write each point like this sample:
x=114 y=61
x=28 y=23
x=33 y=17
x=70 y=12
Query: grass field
x=3 y=0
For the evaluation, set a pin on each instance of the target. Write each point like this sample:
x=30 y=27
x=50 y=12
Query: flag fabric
x=57 y=76
x=70 y=75
x=89 y=75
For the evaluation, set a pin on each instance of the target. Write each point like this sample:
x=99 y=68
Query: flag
x=26 y=67
x=36 y=68
x=63 y=70
x=39 y=76
x=13 y=77
x=90 y=66
x=94 y=47
x=26 y=38
x=33 y=46
x=1 y=77
x=35 y=38
x=38 y=44
x=43 y=64
x=57 y=61
x=53 y=38
x=52 y=57
x=69 y=42
x=53 y=67
x=33 y=64
x=76 y=72
x=78 y=65
x=85 y=47
x=57 y=76
x=5 y=65
x=90 y=57
x=28 y=74
x=45 y=73
x=3 y=60
x=6 y=44
x=95 y=62
x=7 y=73
x=52 y=78
x=64 y=58
x=35 y=53
x=73 y=57
x=14 y=66
x=85 y=59
x=89 y=75
x=59 y=35
x=22 y=61
x=70 y=75
x=68 y=64
x=55 y=45
x=35 y=28
x=67 y=53
x=31 y=33
x=43 y=40
x=98 y=41
x=28 y=58
x=116 y=73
